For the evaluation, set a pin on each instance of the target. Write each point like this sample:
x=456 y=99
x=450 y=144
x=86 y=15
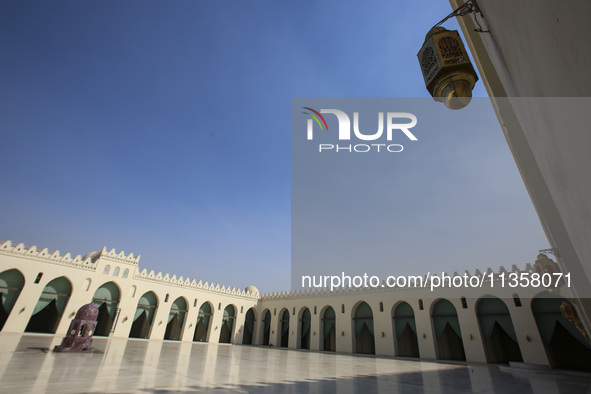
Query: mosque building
x=534 y=65
x=41 y=291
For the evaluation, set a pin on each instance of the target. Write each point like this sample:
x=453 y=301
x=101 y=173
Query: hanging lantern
x=447 y=71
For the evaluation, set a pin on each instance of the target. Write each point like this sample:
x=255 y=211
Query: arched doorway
x=11 y=285
x=565 y=345
x=447 y=331
x=498 y=333
x=227 y=324
x=329 y=330
x=266 y=328
x=203 y=319
x=364 y=336
x=106 y=298
x=248 y=327
x=284 y=331
x=176 y=318
x=305 y=322
x=407 y=344
x=50 y=307
x=144 y=316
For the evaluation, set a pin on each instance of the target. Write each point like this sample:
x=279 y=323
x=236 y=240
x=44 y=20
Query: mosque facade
x=41 y=291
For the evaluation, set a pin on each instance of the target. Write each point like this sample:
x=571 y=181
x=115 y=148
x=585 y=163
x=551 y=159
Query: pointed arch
x=203 y=322
x=176 y=319
x=228 y=324
x=144 y=316
x=304 y=326
x=328 y=329
x=106 y=298
x=363 y=329
x=283 y=328
x=249 y=320
x=405 y=330
x=50 y=306
x=266 y=324
x=447 y=331
x=565 y=344
x=12 y=282
x=497 y=331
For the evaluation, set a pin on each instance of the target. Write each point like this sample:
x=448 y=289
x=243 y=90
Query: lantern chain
x=467 y=8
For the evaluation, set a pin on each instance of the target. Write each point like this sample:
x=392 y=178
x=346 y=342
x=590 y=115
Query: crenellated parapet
x=488 y=277
x=193 y=284
x=120 y=257
x=46 y=255
x=91 y=261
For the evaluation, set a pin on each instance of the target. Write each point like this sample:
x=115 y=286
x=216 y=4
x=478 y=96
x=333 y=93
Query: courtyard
x=122 y=365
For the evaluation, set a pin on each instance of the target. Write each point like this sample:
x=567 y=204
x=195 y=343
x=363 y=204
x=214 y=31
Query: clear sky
x=162 y=128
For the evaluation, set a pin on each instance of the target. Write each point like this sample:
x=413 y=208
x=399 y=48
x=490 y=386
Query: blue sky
x=163 y=128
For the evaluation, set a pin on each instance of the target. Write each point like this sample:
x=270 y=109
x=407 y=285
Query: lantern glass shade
x=457 y=94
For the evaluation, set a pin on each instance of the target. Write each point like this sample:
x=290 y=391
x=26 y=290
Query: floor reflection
x=124 y=365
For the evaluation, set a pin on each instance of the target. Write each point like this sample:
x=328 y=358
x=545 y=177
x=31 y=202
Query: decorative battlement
x=32 y=252
x=193 y=284
x=90 y=262
x=113 y=255
x=322 y=292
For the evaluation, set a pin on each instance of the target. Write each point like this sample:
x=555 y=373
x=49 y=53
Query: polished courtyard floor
x=126 y=366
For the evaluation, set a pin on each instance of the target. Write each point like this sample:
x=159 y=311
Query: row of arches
x=54 y=298
x=564 y=343
x=328 y=328
x=148 y=304
x=362 y=325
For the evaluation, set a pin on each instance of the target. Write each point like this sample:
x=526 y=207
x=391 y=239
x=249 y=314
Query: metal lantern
x=448 y=73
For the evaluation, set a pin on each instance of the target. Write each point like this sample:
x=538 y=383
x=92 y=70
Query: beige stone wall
x=87 y=274
x=385 y=343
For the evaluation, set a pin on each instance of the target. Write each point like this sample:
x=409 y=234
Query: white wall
x=537 y=55
x=86 y=276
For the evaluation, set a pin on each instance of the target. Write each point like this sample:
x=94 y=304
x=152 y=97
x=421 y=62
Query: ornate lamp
x=447 y=70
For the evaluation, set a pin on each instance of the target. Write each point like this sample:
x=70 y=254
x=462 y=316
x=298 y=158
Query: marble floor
x=128 y=366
